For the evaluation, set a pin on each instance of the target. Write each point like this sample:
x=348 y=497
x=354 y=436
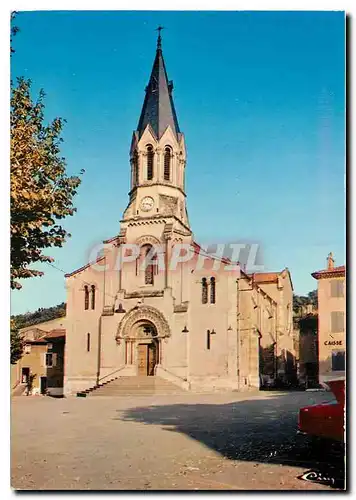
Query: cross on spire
x=159 y=40
x=158 y=108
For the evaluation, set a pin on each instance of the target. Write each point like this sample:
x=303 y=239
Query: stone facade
x=188 y=316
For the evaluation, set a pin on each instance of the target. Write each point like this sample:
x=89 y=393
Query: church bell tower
x=158 y=156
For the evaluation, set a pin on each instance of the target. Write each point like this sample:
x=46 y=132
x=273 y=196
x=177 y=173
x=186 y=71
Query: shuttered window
x=50 y=359
x=337 y=288
x=337 y=321
x=167 y=164
x=150 y=157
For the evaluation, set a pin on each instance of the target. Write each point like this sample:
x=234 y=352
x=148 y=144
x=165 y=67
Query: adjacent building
x=42 y=360
x=331 y=320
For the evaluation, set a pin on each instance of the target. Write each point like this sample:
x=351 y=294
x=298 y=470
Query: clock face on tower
x=147 y=204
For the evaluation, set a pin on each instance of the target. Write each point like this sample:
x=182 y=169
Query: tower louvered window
x=167 y=164
x=150 y=157
x=135 y=168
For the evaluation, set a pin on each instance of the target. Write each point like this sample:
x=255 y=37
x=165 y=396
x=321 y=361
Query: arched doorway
x=147 y=347
x=142 y=330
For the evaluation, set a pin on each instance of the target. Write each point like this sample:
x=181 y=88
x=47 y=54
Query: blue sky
x=259 y=97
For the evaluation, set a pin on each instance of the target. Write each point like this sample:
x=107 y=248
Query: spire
x=158 y=107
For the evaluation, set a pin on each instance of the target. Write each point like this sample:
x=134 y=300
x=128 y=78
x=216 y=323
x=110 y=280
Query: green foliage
x=16 y=342
x=302 y=300
x=14 y=30
x=41 y=192
x=42 y=314
x=313 y=297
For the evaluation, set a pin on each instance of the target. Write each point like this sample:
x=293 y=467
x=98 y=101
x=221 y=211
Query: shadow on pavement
x=259 y=430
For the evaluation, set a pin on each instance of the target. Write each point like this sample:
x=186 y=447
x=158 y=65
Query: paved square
x=189 y=441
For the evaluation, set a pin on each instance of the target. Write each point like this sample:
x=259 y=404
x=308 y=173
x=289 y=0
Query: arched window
x=93 y=296
x=150 y=156
x=86 y=297
x=135 y=168
x=212 y=291
x=149 y=263
x=204 y=291
x=167 y=164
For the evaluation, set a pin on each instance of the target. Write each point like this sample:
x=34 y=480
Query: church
x=154 y=303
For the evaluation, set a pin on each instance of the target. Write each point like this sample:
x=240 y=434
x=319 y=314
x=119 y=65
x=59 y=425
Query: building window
x=50 y=359
x=135 y=169
x=88 y=342
x=338 y=361
x=337 y=288
x=149 y=262
x=86 y=297
x=204 y=291
x=337 y=321
x=167 y=164
x=93 y=296
x=150 y=157
x=208 y=339
x=212 y=291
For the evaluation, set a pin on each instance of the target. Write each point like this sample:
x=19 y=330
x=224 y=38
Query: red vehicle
x=326 y=420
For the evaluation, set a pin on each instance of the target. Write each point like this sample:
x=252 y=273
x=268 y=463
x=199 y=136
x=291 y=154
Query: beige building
x=331 y=321
x=154 y=302
x=43 y=358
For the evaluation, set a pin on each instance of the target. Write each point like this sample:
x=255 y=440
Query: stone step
x=133 y=394
x=136 y=386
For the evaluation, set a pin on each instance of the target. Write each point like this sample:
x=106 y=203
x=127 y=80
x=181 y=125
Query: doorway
x=43 y=385
x=147 y=358
x=25 y=374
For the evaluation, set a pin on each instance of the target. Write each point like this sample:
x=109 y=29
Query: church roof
x=265 y=277
x=158 y=108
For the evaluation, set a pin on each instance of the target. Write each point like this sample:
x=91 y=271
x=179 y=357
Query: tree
x=313 y=298
x=16 y=342
x=41 y=191
x=302 y=300
x=42 y=314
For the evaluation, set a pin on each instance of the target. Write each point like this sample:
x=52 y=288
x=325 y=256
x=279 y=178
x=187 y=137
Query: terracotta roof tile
x=56 y=333
x=41 y=340
x=325 y=273
x=265 y=277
